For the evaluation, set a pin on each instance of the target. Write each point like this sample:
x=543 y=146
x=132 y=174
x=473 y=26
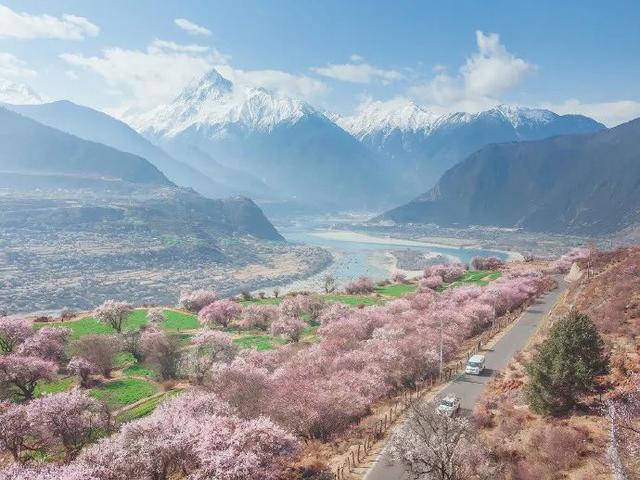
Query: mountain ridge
x=581 y=184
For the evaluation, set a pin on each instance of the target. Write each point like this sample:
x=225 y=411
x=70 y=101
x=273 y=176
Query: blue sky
x=571 y=56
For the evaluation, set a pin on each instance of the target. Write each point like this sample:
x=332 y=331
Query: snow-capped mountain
x=17 y=93
x=423 y=145
x=294 y=148
x=213 y=101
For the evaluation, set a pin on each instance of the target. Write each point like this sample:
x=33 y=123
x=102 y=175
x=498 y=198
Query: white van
x=475 y=365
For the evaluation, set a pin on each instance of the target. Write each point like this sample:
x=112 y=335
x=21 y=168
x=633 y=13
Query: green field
x=180 y=321
x=475 y=277
x=145 y=408
x=124 y=391
x=259 y=342
x=137 y=370
x=397 y=289
x=57 y=386
x=90 y=326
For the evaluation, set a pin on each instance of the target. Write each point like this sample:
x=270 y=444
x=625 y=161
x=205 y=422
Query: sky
x=125 y=56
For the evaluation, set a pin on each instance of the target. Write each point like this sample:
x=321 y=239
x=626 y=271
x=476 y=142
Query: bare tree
x=329 y=283
x=431 y=446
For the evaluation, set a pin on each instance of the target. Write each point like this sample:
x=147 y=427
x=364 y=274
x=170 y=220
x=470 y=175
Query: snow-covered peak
x=517 y=115
x=388 y=116
x=385 y=117
x=17 y=93
x=214 y=101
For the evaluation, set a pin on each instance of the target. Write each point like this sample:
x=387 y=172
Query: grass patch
x=57 y=386
x=353 y=300
x=90 y=326
x=397 y=289
x=475 y=277
x=259 y=342
x=138 y=370
x=145 y=408
x=124 y=391
x=180 y=321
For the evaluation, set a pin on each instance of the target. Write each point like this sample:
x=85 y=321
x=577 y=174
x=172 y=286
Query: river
x=358 y=254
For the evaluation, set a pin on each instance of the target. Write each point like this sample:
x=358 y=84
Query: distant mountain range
x=582 y=184
x=35 y=158
x=293 y=148
x=423 y=145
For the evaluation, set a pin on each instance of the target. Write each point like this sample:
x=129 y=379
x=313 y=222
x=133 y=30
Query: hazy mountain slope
x=423 y=145
x=288 y=144
x=583 y=184
x=30 y=147
x=99 y=127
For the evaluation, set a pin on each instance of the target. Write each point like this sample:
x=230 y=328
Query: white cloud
x=191 y=28
x=609 y=113
x=478 y=84
x=145 y=78
x=160 y=45
x=12 y=66
x=358 y=72
x=298 y=86
x=27 y=26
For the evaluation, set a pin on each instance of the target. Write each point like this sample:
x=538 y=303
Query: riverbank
x=433 y=242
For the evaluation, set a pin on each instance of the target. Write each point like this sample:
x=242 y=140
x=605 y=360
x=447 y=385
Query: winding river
x=358 y=254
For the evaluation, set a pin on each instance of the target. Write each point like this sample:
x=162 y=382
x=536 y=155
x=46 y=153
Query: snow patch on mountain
x=18 y=93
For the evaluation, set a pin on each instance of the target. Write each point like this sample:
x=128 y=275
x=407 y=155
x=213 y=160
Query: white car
x=449 y=406
x=475 y=365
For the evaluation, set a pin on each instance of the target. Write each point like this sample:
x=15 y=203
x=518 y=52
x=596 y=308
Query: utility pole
x=441 y=343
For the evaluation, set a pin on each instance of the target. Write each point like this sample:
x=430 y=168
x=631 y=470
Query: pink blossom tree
x=13 y=331
x=486 y=263
x=210 y=347
x=47 y=343
x=47 y=471
x=289 y=327
x=113 y=313
x=362 y=285
x=399 y=277
x=258 y=317
x=70 y=421
x=24 y=372
x=242 y=385
x=449 y=272
x=16 y=436
x=99 y=350
x=83 y=368
x=220 y=312
x=161 y=352
x=195 y=300
x=431 y=282
x=436 y=446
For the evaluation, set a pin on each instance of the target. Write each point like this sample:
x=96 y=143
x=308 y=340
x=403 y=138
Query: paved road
x=469 y=387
